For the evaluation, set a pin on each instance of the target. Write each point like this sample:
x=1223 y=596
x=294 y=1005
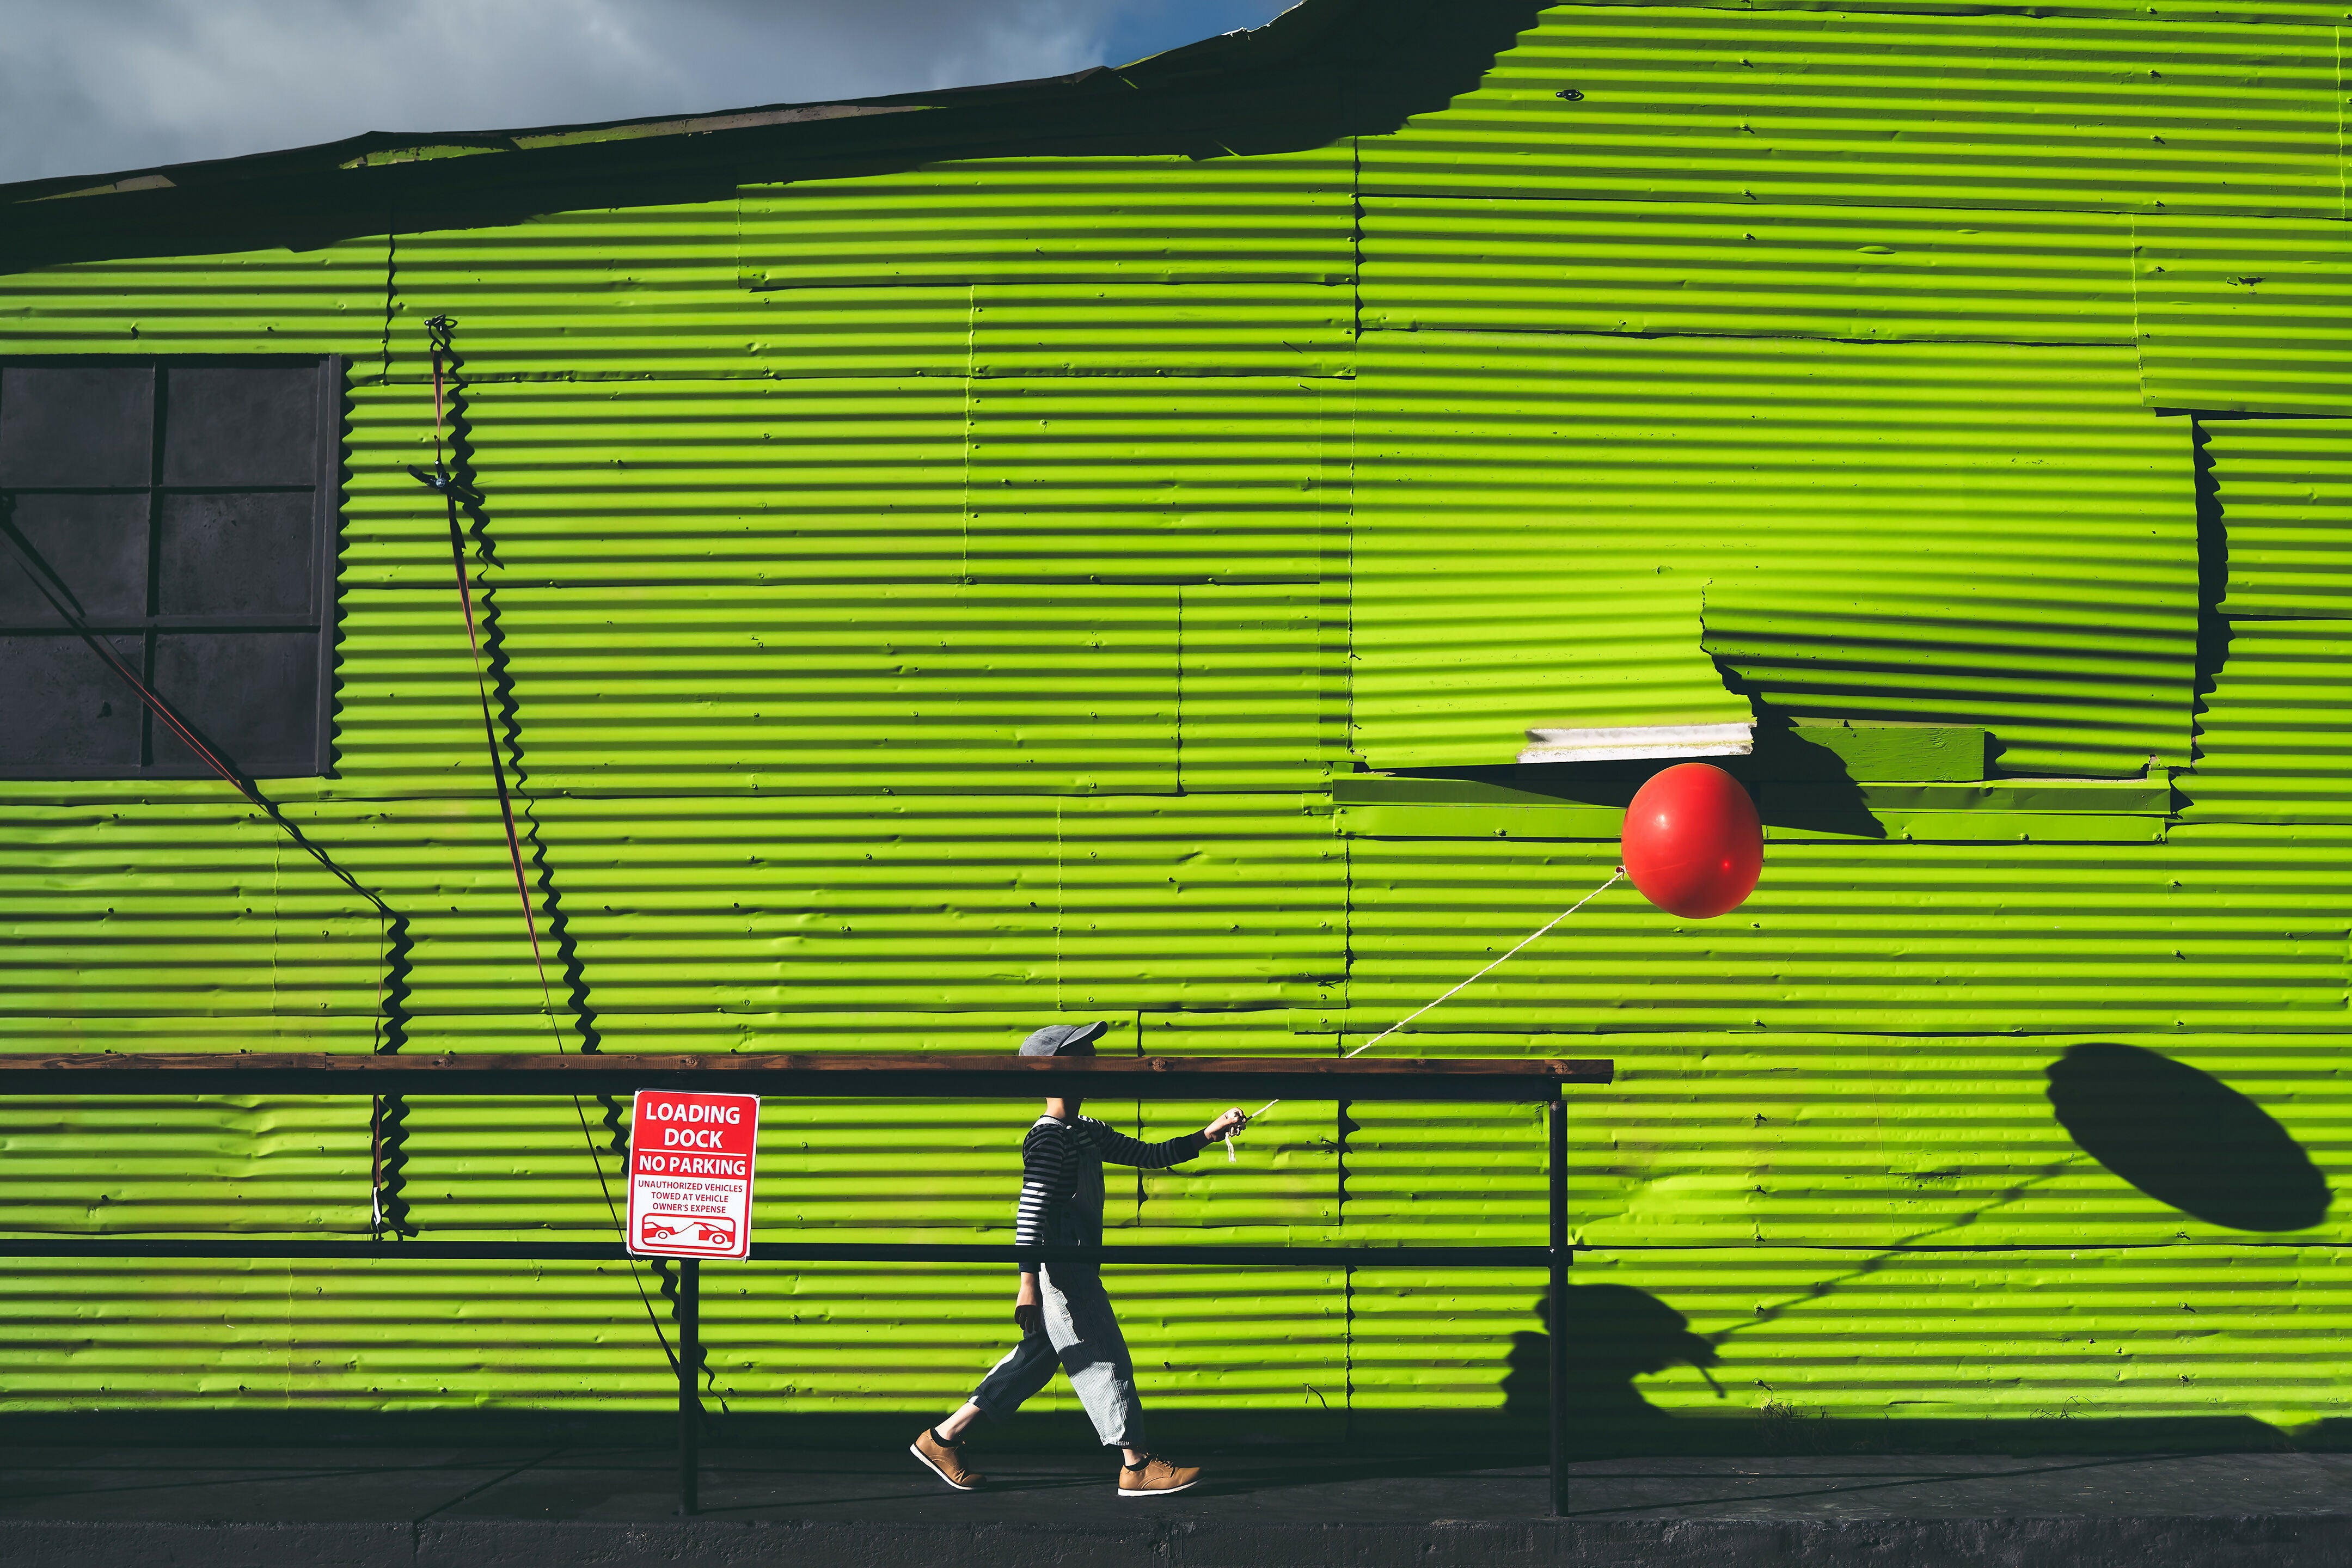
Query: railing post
x=1555 y=1180
x=689 y=1353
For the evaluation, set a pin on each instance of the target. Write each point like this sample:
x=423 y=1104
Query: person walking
x=1064 y=1317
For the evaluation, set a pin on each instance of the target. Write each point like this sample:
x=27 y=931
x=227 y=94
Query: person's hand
x=1028 y=1313
x=1230 y=1122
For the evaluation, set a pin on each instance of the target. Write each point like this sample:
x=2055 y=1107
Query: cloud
x=96 y=88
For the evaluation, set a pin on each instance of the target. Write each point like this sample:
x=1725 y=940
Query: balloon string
x=1490 y=969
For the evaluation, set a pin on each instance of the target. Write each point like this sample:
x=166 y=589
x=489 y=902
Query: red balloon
x=1693 y=843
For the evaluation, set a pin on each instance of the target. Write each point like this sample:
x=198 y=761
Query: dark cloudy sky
x=96 y=86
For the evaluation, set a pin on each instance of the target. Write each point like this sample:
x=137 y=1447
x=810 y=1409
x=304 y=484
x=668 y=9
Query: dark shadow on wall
x=1614 y=1334
x=2186 y=1139
x=2213 y=632
x=508 y=705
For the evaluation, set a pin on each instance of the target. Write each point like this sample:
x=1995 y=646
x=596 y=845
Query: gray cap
x=1062 y=1039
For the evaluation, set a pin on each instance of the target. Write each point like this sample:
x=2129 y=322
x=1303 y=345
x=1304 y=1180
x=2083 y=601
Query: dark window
x=187 y=507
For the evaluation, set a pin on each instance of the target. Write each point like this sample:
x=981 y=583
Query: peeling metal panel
x=2284 y=490
x=2245 y=314
x=1868 y=540
x=1521 y=264
x=1692 y=105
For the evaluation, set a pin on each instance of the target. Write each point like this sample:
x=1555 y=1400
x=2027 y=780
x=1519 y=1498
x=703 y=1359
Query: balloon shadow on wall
x=2186 y=1139
x=1614 y=1334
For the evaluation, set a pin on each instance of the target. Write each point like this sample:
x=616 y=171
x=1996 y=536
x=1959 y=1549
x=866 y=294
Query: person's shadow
x=1614 y=1334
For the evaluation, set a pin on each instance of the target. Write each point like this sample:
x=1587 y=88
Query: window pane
x=238 y=555
x=253 y=696
x=63 y=713
x=96 y=544
x=258 y=427
x=75 y=426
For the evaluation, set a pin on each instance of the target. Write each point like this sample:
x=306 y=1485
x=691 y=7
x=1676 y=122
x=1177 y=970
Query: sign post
x=691 y=1158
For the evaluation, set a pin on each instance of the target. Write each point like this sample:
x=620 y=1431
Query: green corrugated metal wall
x=941 y=603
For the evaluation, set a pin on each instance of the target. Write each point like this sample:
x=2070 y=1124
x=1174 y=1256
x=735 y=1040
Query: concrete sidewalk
x=484 y=1508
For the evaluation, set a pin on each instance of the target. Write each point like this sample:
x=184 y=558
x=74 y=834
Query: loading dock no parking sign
x=690 y=1173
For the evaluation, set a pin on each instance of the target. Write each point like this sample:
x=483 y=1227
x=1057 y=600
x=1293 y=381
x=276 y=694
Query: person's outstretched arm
x=1116 y=1148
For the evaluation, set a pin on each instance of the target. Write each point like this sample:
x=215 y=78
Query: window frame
x=331 y=373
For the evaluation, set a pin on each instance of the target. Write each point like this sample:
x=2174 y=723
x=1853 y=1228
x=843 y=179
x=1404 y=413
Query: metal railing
x=912 y=1077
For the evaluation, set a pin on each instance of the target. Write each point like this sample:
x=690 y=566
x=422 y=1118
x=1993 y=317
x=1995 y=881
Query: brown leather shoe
x=1158 y=1477
x=945 y=1460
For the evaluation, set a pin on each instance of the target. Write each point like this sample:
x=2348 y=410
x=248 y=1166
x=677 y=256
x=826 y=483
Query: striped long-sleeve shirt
x=1061 y=1178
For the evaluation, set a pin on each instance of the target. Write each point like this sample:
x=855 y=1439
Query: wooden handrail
x=913 y=1075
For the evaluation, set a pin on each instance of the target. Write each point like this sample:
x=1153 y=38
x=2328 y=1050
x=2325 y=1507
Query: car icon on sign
x=715 y=1232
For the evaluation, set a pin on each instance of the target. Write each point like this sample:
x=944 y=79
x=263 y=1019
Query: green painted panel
x=2035 y=112
x=1261 y=694
x=2271 y=742
x=616 y=484
x=644 y=293
x=2251 y=315
x=676 y=688
x=252 y=1164
x=1164 y=479
x=2284 y=490
x=1918 y=938
x=1284 y=218
x=1747 y=270
x=1160 y=329
x=1868 y=539
x=329 y=300
x=1879 y=752
x=1803 y=1334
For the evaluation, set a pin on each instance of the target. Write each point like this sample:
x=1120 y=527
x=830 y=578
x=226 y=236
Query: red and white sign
x=690 y=1173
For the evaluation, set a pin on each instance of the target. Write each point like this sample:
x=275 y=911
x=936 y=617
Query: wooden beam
x=928 y=1075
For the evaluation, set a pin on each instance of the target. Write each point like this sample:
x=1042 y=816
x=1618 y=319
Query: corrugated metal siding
x=1521 y=264
x=808 y=507
x=639 y=293
x=2273 y=732
x=2283 y=488
x=1164 y=329
x=1963 y=938
x=1281 y=218
x=1884 y=111
x=1887 y=532
x=2246 y=314
x=2080 y=1335
x=329 y=300
x=1176 y=479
